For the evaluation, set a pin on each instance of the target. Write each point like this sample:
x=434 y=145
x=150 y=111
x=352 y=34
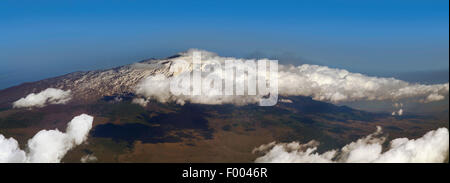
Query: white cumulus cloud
x=47 y=146
x=338 y=85
x=10 y=151
x=43 y=98
x=433 y=147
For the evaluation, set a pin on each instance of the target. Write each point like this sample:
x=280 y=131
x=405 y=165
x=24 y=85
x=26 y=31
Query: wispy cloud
x=43 y=98
x=47 y=146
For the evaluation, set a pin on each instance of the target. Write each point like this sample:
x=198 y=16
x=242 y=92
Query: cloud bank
x=319 y=82
x=433 y=147
x=47 y=146
x=43 y=98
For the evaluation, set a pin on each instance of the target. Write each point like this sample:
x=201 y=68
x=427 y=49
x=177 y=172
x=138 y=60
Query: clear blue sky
x=40 y=39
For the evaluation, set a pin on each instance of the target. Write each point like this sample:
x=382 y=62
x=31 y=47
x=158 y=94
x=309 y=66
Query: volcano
x=169 y=131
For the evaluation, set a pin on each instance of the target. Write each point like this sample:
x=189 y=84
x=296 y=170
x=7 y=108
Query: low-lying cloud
x=43 y=98
x=433 y=147
x=399 y=109
x=319 y=82
x=47 y=146
x=338 y=85
x=89 y=158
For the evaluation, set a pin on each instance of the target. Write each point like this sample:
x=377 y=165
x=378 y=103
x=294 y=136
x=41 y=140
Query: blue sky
x=40 y=39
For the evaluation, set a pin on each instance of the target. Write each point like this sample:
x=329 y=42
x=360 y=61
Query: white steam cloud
x=47 y=146
x=320 y=82
x=433 y=147
x=43 y=98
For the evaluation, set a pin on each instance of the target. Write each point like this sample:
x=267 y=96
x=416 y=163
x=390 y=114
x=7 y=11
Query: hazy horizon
x=10 y=79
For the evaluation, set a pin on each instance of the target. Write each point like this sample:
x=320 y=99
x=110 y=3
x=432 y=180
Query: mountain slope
x=91 y=85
